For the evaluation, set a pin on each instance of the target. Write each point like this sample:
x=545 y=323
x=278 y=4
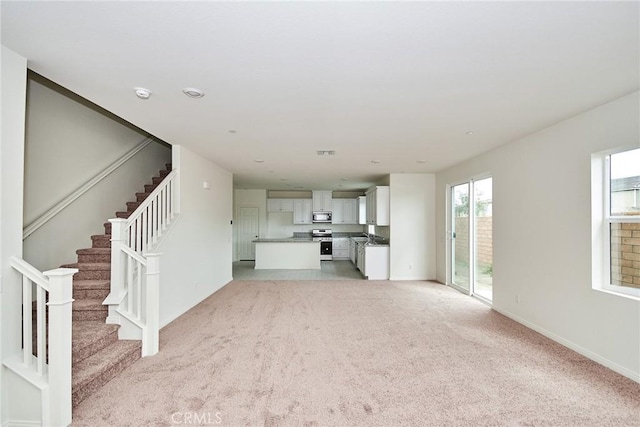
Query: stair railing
x=135 y=282
x=49 y=368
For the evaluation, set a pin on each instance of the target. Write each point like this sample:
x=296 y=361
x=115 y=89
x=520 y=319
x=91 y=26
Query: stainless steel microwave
x=321 y=216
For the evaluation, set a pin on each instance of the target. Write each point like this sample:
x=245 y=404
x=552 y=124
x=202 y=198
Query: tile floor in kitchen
x=330 y=270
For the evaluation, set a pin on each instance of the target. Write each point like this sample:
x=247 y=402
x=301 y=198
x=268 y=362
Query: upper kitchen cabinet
x=377 y=205
x=302 y=211
x=280 y=205
x=344 y=211
x=361 y=209
x=322 y=201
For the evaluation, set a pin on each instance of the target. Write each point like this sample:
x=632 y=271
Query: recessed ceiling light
x=259 y=161
x=142 y=93
x=375 y=161
x=343 y=179
x=421 y=161
x=283 y=179
x=325 y=152
x=193 y=92
x=272 y=171
x=469 y=132
x=232 y=131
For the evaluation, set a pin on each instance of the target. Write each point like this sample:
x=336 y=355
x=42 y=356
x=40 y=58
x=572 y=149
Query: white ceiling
x=391 y=81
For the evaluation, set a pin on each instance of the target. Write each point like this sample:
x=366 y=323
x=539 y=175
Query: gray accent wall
x=68 y=141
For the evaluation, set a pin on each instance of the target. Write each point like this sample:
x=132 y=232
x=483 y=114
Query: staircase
x=97 y=354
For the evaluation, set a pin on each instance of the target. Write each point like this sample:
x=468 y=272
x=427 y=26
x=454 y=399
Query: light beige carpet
x=358 y=353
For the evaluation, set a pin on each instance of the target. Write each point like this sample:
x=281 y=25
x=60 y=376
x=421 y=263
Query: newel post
x=151 y=331
x=58 y=412
x=118 y=239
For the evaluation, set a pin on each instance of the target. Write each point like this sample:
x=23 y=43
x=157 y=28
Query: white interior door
x=248 y=230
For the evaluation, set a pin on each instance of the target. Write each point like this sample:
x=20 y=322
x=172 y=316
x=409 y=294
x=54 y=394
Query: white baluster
x=41 y=333
x=27 y=321
x=154 y=222
x=163 y=215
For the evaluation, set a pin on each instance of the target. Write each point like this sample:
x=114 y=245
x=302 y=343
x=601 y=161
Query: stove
x=325 y=237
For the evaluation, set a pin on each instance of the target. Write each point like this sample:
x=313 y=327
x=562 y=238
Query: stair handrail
x=135 y=282
x=50 y=368
x=78 y=192
x=165 y=199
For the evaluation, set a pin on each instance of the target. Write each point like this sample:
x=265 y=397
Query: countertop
x=286 y=240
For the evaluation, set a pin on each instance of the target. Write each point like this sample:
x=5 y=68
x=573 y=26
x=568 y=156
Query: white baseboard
x=411 y=278
x=19 y=423
x=635 y=376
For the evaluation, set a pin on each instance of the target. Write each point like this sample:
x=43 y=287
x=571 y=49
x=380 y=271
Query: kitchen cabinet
x=361 y=209
x=344 y=211
x=302 y=211
x=340 y=247
x=280 y=205
x=376 y=262
x=377 y=205
x=322 y=201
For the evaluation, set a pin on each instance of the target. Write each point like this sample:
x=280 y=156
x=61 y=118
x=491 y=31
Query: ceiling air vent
x=325 y=152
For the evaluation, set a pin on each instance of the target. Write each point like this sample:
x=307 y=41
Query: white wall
x=252 y=199
x=542 y=234
x=68 y=141
x=197 y=253
x=13 y=95
x=412 y=227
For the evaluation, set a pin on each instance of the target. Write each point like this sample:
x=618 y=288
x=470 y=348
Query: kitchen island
x=287 y=253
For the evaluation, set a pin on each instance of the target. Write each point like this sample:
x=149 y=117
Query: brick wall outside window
x=625 y=254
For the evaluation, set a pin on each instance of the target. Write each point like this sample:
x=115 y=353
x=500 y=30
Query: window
x=617 y=249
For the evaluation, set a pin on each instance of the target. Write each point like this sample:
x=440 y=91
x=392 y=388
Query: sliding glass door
x=483 y=238
x=471 y=249
x=460 y=272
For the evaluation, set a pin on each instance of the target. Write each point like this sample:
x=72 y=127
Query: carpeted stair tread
x=89 y=305
x=91 y=336
x=91 y=284
x=91 y=289
x=123 y=214
x=94 y=255
x=89 y=309
x=101 y=240
x=92 y=266
x=141 y=197
x=91 y=270
x=95 y=371
x=93 y=251
x=132 y=206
